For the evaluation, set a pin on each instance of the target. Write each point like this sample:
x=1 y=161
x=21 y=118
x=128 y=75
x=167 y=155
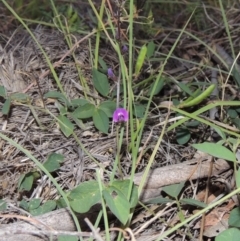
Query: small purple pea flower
x=124 y=49
x=120 y=115
x=110 y=73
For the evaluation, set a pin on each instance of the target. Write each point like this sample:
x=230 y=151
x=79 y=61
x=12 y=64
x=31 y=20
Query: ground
x=179 y=78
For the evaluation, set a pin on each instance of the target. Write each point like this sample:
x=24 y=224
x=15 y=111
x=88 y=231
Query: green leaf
x=61 y=203
x=150 y=49
x=183 y=136
x=193 y=202
x=117 y=203
x=220 y=132
x=3 y=205
x=66 y=125
x=159 y=200
x=102 y=63
x=100 y=82
x=215 y=150
x=78 y=102
x=3 y=91
x=34 y=203
x=192 y=123
x=84 y=196
x=192 y=102
x=85 y=111
x=237 y=109
x=140 y=59
x=26 y=181
x=238 y=178
x=47 y=207
x=236 y=75
x=232 y=113
x=24 y=204
x=231 y=234
x=234 y=218
x=185 y=88
x=174 y=190
x=139 y=110
x=101 y=120
x=108 y=107
x=53 y=162
x=62 y=109
x=67 y=238
x=123 y=186
x=6 y=107
x=78 y=122
x=20 y=97
x=236 y=122
x=158 y=87
x=57 y=95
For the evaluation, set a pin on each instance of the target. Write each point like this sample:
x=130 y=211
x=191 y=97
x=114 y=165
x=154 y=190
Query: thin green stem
x=104 y=210
x=100 y=26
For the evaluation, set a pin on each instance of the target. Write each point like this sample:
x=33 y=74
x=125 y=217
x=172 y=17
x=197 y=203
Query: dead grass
x=22 y=62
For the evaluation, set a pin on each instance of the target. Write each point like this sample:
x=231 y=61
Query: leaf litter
x=20 y=58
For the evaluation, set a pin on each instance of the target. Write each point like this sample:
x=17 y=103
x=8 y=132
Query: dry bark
x=177 y=173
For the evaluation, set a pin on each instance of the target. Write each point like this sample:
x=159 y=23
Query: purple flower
x=120 y=115
x=124 y=49
x=110 y=73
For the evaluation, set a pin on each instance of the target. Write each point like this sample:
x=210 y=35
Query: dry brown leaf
x=217 y=215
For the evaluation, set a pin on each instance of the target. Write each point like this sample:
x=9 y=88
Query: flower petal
x=120 y=115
